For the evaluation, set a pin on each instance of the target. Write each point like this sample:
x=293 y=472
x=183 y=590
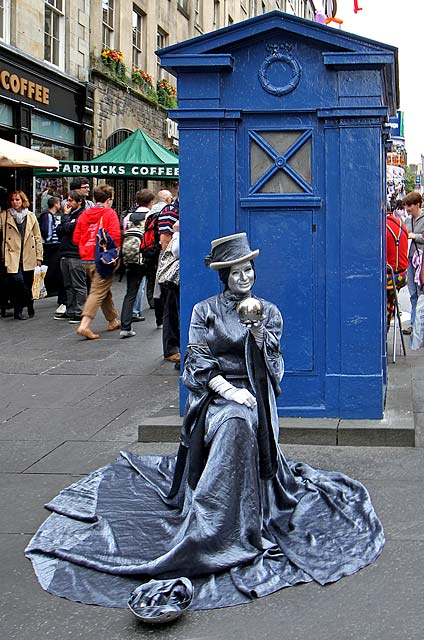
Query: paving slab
x=65 y=423
x=125 y=426
x=8 y=409
x=50 y=391
x=23 y=496
x=419 y=429
x=34 y=365
x=363 y=463
x=149 y=393
x=16 y=456
x=400 y=507
x=78 y=457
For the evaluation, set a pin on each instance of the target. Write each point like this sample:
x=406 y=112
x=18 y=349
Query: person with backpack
x=169 y=287
x=415 y=225
x=101 y=216
x=164 y=198
x=151 y=249
x=73 y=271
x=133 y=259
x=397 y=259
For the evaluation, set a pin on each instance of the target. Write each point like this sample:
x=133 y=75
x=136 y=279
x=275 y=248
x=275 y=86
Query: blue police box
x=282 y=128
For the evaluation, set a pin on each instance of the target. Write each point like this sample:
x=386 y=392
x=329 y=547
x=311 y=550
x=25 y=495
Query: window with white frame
x=215 y=20
x=108 y=19
x=5 y=20
x=183 y=5
x=309 y=10
x=198 y=11
x=161 y=42
x=137 y=37
x=54 y=32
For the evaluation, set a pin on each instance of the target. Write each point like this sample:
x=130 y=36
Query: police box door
x=280 y=167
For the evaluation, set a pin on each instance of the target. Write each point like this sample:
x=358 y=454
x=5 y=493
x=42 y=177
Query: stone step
x=395 y=430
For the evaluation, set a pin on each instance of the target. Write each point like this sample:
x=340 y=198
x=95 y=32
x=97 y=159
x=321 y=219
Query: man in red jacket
x=397 y=258
x=85 y=238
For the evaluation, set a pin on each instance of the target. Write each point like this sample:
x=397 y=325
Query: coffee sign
x=24 y=87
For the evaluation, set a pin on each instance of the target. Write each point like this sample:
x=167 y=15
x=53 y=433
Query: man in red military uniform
x=397 y=258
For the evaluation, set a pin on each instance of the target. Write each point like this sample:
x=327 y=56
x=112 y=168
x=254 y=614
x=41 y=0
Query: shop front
x=127 y=167
x=45 y=110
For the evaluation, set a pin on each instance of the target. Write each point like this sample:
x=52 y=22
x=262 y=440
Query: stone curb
x=396 y=429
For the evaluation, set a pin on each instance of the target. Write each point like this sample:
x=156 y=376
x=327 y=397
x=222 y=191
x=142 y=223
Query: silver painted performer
x=229 y=512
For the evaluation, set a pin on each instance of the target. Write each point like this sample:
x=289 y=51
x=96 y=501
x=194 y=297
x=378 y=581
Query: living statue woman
x=229 y=512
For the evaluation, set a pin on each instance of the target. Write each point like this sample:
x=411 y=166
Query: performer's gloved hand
x=228 y=391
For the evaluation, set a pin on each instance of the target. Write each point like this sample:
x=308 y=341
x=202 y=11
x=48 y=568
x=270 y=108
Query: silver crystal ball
x=250 y=311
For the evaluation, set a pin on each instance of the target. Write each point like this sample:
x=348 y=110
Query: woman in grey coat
x=229 y=512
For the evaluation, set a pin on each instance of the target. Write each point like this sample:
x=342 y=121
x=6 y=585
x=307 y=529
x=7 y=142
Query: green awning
x=139 y=156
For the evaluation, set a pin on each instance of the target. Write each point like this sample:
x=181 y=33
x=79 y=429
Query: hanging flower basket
x=144 y=82
x=114 y=61
x=167 y=94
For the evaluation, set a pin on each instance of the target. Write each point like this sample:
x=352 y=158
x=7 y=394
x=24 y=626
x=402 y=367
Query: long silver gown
x=235 y=534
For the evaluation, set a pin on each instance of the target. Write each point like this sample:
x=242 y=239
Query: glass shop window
x=46 y=127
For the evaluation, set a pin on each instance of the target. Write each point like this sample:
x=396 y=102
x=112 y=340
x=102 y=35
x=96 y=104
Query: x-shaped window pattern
x=280 y=162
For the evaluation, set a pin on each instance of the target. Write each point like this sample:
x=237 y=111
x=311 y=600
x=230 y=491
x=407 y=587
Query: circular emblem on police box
x=281 y=54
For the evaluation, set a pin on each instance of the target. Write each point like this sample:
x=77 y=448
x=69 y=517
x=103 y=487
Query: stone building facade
x=95 y=103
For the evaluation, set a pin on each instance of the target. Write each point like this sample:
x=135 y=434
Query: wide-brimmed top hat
x=230 y=250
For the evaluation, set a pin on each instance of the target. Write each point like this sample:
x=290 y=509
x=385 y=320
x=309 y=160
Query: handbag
x=106 y=256
x=168 y=270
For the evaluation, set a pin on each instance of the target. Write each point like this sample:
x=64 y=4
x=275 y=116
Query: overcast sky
x=400 y=24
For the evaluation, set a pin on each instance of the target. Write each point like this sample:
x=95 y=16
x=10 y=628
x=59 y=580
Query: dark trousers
x=20 y=288
x=150 y=267
x=158 y=307
x=134 y=275
x=75 y=281
x=54 y=280
x=170 y=296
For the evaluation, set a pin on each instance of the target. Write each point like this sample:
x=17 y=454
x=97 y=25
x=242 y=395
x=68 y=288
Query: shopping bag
x=417 y=338
x=38 y=287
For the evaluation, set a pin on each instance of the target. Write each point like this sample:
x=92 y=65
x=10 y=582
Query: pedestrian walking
x=84 y=236
x=73 y=270
x=22 y=251
x=415 y=225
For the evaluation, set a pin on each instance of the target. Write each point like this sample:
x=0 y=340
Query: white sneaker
x=127 y=334
x=60 y=310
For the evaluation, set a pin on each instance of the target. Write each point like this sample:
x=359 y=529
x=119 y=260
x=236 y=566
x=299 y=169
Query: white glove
x=228 y=391
x=258 y=333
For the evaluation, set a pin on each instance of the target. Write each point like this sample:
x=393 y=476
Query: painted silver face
x=241 y=278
